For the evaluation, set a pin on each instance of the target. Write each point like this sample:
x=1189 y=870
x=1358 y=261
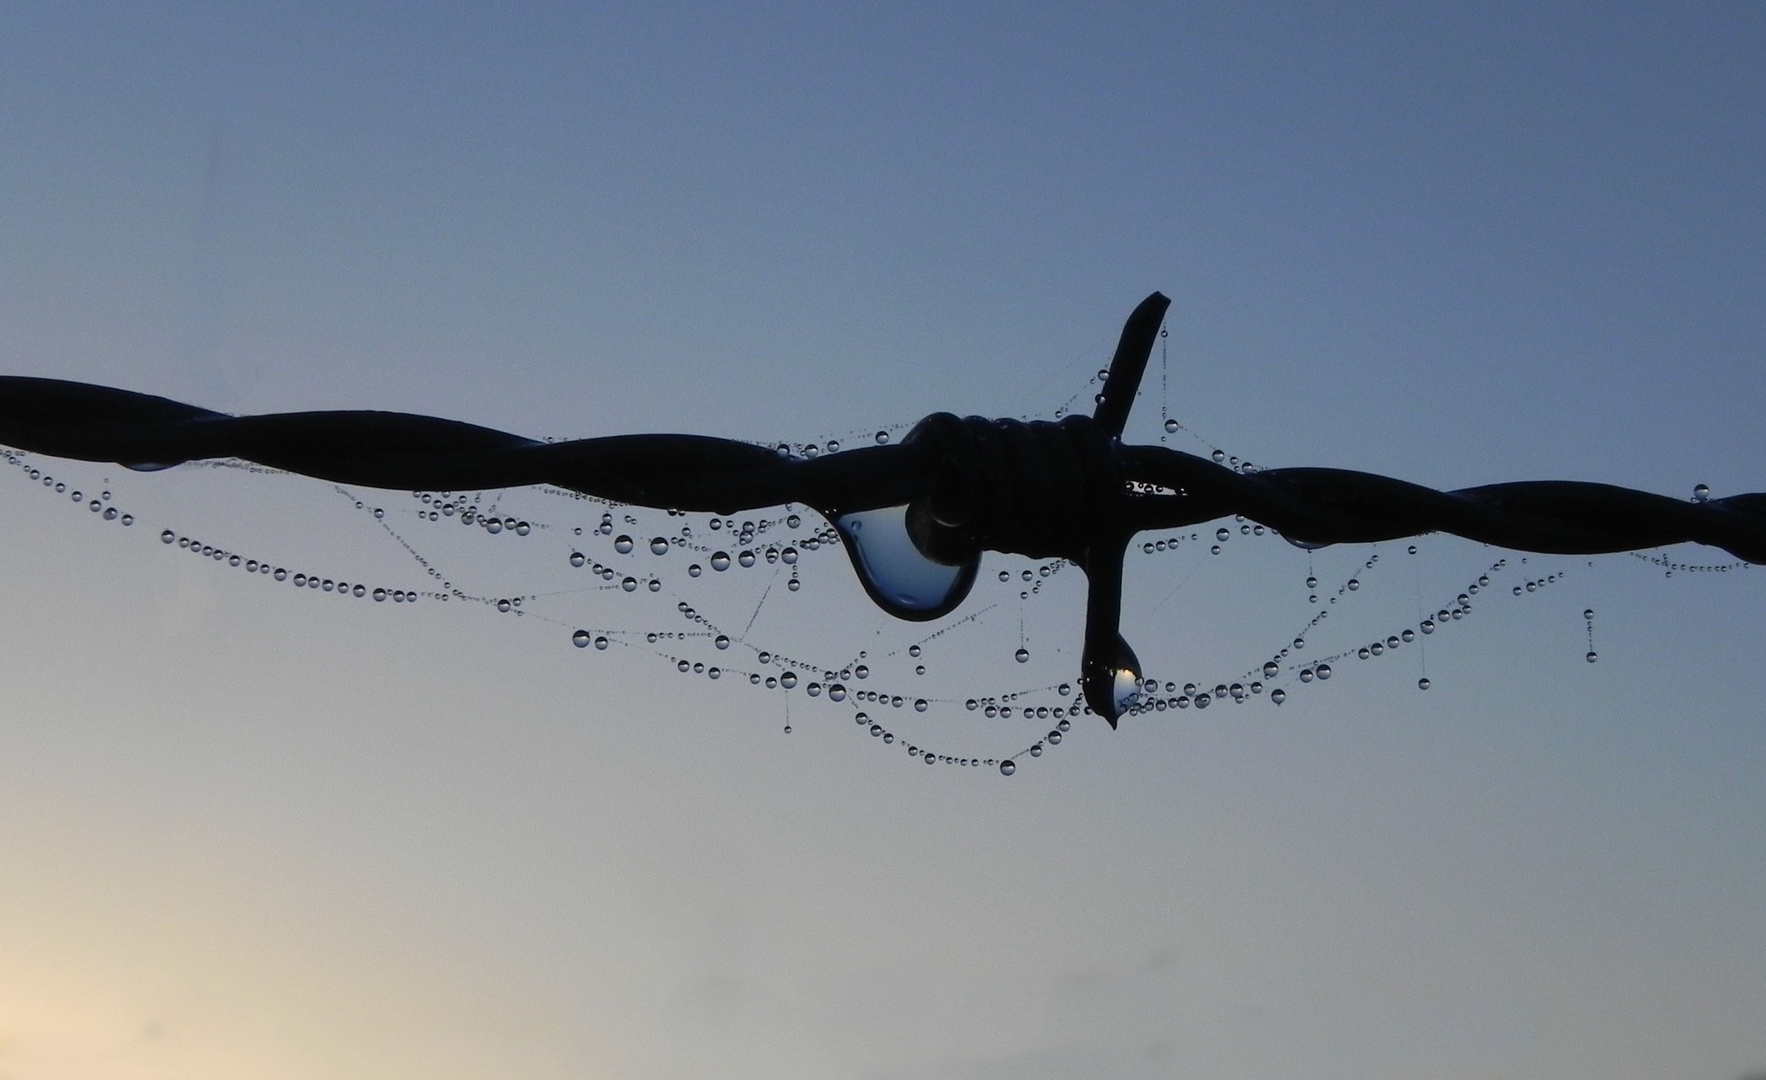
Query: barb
x=915 y=515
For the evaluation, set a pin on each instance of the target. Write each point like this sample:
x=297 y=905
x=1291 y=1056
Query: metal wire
x=1070 y=489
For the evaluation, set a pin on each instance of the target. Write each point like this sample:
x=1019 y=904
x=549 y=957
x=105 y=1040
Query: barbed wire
x=917 y=513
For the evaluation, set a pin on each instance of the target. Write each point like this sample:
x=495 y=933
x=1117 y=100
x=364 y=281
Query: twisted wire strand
x=1315 y=507
x=1309 y=506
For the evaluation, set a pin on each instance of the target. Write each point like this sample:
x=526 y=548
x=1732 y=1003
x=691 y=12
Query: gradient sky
x=246 y=833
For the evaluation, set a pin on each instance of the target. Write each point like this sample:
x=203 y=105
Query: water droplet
x=1588 y=613
x=1324 y=671
x=629 y=584
x=1170 y=426
x=862 y=671
x=623 y=545
x=1222 y=533
x=655 y=585
x=1354 y=584
x=168 y=537
x=1008 y=767
x=788 y=680
x=1022 y=656
x=720 y=561
x=577 y=559
x=502 y=606
x=1036 y=751
x=1423 y=683
x=580 y=639
x=1428 y=626
x=898 y=578
x=920 y=705
x=1271 y=669
x=128 y=519
x=1278 y=695
x=882 y=438
x=522 y=528
x=1592 y=657
x=746 y=558
x=1312 y=583
x=1218 y=456
x=495 y=526
x=1701 y=492
x=658 y=546
x=793 y=521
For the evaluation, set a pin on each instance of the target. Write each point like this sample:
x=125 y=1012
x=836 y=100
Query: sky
x=247 y=832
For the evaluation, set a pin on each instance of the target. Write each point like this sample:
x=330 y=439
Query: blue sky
x=253 y=833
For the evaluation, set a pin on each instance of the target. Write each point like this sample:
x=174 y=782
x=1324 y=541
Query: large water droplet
x=1022 y=656
x=577 y=559
x=1008 y=767
x=1170 y=426
x=746 y=558
x=1592 y=657
x=720 y=561
x=1423 y=683
x=629 y=584
x=900 y=579
x=1701 y=492
x=580 y=639
x=1278 y=695
x=658 y=546
x=623 y=545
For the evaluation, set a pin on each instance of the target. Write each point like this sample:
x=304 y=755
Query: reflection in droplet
x=900 y=579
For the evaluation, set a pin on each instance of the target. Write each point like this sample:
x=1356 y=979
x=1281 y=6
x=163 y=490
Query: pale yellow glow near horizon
x=182 y=959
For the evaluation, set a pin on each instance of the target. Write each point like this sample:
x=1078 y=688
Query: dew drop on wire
x=1278 y=695
x=1022 y=656
x=577 y=559
x=580 y=639
x=1170 y=426
x=623 y=545
x=720 y=561
x=1008 y=767
x=658 y=546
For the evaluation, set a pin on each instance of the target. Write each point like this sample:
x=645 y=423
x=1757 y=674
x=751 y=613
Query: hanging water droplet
x=1053 y=738
x=746 y=558
x=1428 y=626
x=658 y=546
x=882 y=438
x=655 y=585
x=495 y=526
x=895 y=574
x=580 y=639
x=629 y=584
x=522 y=528
x=862 y=671
x=1588 y=613
x=1022 y=656
x=720 y=561
x=793 y=521
x=1592 y=657
x=836 y=692
x=1271 y=669
x=788 y=680
x=1222 y=533
x=1203 y=700
x=577 y=559
x=1170 y=426
x=1008 y=767
x=722 y=641
x=1354 y=584
x=168 y=537
x=623 y=545
x=1324 y=671
x=1701 y=492
x=1036 y=751
x=1278 y=695
x=1218 y=456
